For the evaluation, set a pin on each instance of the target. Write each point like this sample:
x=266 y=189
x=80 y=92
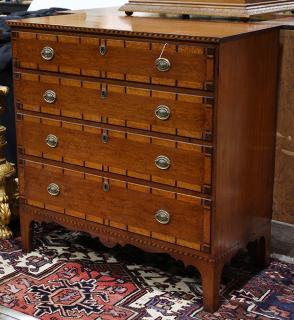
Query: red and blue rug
x=70 y=276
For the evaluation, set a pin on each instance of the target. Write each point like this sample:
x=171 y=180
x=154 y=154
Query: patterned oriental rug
x=70 y=276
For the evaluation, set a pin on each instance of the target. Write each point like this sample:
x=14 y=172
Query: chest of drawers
x=148 y=131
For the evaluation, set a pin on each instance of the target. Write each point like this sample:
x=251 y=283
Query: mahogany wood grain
x=191 y=66
x=234 y=63
x=246 y=126
x=190 y=166
x=209 y=267
x=111 y=22
x=114 y=176
x=190 y=115
x=211 y=280
x=128 y=204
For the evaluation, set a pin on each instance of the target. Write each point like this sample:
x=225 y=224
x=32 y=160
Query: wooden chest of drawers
x=148 y=131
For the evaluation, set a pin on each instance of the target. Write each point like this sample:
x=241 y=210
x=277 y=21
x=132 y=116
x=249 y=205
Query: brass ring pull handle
x=162 y=112
x=51 y=141
x=47 y=53
x=4 y=91
x=162 y=162
x=162 y=216
x=53 y=189
x=49 y=96
x=103 y=49
x=162 y=64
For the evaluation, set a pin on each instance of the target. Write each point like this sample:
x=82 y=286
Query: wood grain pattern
x=191 y=115
x=83 y=145
x=218 y=191
x=110 y=22
x=80 y=55
x=245 y=157
x=209 y=266
x=79 y=191
x=206 y=8
x=10 y=314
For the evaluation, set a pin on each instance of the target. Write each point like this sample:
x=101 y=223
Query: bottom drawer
x=157 y=213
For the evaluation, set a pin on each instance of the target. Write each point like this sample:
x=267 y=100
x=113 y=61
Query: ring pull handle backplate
x=53 y=189
x=47 y=53
x=162 y=217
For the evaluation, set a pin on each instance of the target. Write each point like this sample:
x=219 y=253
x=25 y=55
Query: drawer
x=158 y=111
x=184 y=66
x=180 y=164
x=155 y=213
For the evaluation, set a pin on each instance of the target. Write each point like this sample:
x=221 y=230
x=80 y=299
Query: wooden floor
x=282 y=246
x=8 y=314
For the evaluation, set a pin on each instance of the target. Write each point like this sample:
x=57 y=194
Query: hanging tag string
x=162 y=50
x=162 y=64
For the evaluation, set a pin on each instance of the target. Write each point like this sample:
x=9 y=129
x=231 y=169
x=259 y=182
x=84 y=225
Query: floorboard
x=8 y=314
x=282 y=246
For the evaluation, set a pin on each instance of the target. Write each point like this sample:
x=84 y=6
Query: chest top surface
x=111 y=21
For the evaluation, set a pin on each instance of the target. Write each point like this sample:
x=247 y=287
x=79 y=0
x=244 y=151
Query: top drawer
x=179 y=65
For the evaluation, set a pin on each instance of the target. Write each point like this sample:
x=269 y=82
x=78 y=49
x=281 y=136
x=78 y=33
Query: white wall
x=75 y=4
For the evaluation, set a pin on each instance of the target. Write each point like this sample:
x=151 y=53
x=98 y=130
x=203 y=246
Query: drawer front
x=186 y=66
x=179 y=164
x=158 y=111
x=156 y=213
